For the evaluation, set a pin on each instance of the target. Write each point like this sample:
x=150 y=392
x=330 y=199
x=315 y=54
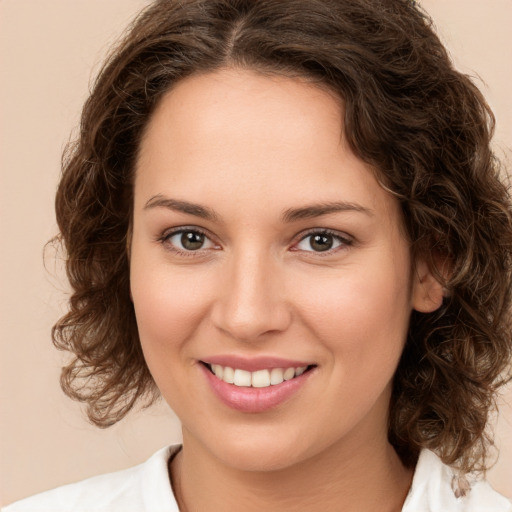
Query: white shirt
x=146 y=488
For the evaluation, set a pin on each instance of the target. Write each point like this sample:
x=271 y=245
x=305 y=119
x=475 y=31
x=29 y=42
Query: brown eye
x=321 y=242
x=188 y=240
x=191 y=240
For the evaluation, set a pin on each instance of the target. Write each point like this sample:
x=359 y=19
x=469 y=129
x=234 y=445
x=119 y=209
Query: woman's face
x=261 y=243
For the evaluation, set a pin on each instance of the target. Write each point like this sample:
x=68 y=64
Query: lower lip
x=254 y=400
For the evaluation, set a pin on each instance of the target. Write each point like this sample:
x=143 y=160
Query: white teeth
x=276 y=376
x=229 y=375
x=218 y=370
x=289 y=373
x=257 y=379
x=242 y=378
x=300 y=371
x=260 y=379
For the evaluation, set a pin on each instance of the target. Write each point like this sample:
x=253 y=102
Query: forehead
x=236 y=103
x=268 y=139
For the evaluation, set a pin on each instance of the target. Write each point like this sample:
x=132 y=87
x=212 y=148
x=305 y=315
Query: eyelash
x=167 y=235
x=344 y=241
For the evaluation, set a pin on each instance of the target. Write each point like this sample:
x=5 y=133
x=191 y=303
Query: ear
x=428 y=292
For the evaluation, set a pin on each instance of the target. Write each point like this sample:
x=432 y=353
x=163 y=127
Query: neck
x=345 y=478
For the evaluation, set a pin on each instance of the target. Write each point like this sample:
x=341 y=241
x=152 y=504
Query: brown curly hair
x=422 y=125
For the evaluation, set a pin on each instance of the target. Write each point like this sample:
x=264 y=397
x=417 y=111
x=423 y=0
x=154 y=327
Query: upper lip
x=254 y=363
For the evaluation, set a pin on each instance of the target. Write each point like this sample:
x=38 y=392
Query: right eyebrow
x=317 y=210
x=177 y=205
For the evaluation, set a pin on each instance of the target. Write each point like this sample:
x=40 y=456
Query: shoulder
x=431 y=491
x=145 y=487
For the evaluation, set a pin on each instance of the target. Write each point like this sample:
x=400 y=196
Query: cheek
x=169 y=308
x=361 y=315
x=169 y=305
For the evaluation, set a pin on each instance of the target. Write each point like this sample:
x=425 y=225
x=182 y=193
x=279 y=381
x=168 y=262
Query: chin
x=262 y=449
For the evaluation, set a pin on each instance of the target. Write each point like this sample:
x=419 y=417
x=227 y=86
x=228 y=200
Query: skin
x=250 y=147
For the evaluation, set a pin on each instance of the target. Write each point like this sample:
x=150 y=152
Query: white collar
x=431 y=491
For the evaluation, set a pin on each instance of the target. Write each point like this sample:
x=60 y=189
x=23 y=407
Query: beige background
x=47 y=51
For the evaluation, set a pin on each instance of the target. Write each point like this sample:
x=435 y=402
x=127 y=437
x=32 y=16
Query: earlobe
x=428 y=292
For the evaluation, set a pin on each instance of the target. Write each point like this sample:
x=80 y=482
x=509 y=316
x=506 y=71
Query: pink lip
x=254 y=363
x=254 y=400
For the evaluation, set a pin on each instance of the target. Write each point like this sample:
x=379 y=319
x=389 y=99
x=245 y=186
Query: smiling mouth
x=258 y=379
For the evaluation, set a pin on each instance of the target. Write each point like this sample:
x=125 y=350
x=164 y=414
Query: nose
x=251 y=302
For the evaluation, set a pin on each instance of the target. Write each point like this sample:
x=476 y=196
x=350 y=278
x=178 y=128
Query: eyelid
x=345 y=239
x=169 y=233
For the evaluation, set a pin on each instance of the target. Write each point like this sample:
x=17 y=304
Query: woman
x=285 y=217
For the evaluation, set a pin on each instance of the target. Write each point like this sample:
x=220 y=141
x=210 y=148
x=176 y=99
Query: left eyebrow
x=160 y=201
x=317 y=210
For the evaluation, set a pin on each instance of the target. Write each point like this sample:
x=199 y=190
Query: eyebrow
x=160 y=201
x=288 y=216
x=317 y=210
